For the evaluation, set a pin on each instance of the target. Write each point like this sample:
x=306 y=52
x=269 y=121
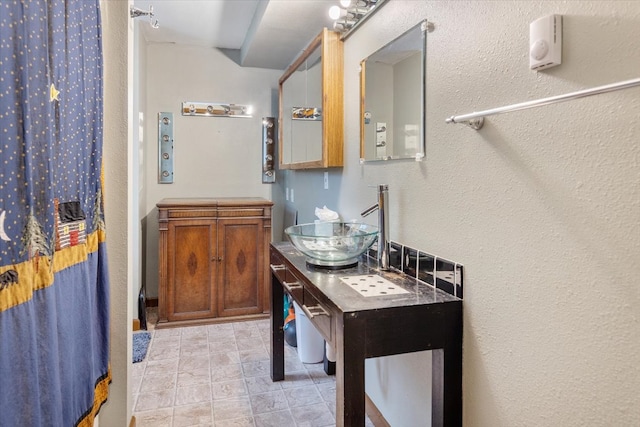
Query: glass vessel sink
x=332 y=244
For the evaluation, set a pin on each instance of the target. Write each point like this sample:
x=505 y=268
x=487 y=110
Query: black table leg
x=350 y=357
x=447 y=387
x=277 y=330
x=453 y=385
x=329 y=366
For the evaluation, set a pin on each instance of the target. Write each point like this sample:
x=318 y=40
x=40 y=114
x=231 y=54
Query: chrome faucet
x=383 y=225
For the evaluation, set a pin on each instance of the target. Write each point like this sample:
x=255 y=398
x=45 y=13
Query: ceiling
x=254 y=33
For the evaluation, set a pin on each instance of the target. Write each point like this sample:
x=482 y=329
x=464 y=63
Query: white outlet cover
x=371 y=285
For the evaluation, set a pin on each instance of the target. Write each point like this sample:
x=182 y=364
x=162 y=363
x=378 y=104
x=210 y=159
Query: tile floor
x=218 y=375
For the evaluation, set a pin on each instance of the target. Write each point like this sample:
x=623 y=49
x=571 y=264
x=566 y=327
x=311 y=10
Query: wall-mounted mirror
x=392 y=98
x=311 y=106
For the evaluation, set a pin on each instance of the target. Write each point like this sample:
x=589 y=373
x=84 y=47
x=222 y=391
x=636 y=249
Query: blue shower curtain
x=54 y=325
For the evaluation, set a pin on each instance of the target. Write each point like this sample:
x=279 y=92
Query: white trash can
x=310 y=343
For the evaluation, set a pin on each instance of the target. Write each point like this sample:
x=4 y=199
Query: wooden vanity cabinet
x=213 y=262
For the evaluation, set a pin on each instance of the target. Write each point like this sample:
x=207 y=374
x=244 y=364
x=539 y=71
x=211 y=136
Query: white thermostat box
x=545 y=42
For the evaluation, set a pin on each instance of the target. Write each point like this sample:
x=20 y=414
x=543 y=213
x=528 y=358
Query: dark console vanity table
x=414 y=318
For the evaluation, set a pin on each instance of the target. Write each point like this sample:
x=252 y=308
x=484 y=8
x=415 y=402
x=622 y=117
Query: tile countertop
x=346 y=299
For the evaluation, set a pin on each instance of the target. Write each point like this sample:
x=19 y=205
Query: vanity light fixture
x=350 y=12
x=214 y=109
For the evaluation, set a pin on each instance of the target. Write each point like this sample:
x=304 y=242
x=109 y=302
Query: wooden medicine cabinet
x=311 y=106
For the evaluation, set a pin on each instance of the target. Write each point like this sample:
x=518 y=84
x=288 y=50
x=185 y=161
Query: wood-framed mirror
x=311 y=122
x=392 y=98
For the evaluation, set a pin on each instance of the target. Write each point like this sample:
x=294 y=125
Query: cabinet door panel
x=241 y=270
x=192 y=263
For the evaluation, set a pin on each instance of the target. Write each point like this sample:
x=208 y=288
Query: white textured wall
x=542 y=207
x=214 y=156
x=117 y=37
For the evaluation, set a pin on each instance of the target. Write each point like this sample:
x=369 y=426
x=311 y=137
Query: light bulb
x=345 y=3
x=334 y=12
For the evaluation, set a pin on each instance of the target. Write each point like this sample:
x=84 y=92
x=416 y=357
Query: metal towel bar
x=476 y=119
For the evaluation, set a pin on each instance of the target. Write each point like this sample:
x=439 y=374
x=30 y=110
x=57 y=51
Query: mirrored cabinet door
x=311 y=106
x=302 y=111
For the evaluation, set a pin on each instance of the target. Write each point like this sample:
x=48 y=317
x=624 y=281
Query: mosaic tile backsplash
x=446 y=275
